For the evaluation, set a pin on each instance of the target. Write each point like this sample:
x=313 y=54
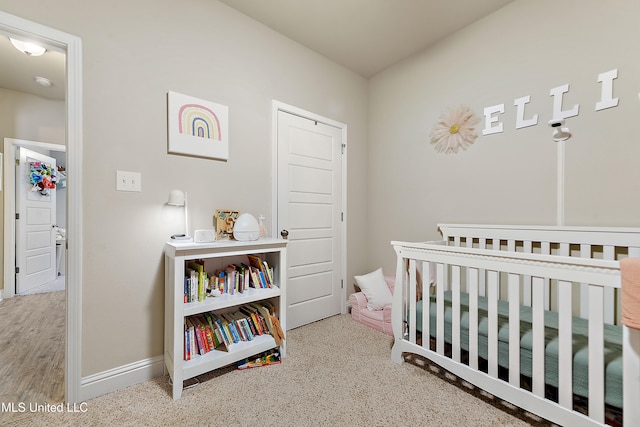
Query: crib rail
x=609 y=243
x=431 y=268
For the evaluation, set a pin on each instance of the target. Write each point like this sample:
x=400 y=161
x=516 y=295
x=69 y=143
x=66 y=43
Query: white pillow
x=375 y=289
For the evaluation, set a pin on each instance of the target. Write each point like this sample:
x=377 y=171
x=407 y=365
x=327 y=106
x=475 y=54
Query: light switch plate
x=128 y=181
x=204 y=236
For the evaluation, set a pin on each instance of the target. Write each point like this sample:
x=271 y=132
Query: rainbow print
x=196 y=127
x=200 y=121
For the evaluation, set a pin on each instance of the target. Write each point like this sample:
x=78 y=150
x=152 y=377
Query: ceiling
x=365 y=36
x=19 y=71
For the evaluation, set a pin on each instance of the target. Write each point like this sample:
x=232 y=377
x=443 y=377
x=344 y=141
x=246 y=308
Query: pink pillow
x=375 y=289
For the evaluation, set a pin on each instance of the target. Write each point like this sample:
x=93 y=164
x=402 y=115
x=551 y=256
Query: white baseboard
x=120 y=377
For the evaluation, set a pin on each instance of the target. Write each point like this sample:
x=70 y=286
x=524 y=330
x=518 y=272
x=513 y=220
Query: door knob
x=284 y=234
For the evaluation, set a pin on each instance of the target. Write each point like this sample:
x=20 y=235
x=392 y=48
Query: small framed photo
x=197 y=127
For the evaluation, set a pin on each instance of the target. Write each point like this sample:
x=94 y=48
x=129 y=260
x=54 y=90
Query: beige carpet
x=337 y=372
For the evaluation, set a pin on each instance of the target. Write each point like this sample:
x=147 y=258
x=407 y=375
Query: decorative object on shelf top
x=246 y=228
x=179 y=198
x=455 y=129
x=263 y=229
x=224 y=221
x=42 y=177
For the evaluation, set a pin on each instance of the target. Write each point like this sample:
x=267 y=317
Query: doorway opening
x=51 y=227
x=72 y=47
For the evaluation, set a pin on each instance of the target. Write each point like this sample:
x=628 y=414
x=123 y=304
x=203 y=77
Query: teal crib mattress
x=612 y=345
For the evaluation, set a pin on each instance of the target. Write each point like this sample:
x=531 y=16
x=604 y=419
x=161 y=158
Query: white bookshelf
x=217 y=255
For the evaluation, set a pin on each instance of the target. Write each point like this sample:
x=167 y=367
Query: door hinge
x=341 y=284
x=343 y=147
x=17 y=215
x=17 y=162
x=17 y=270
x=342 y=216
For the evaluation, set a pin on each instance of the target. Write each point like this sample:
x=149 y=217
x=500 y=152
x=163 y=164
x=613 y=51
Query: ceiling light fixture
x=43 y=81
x=28 y=48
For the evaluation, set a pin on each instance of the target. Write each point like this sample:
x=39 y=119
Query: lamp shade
x=176 y=198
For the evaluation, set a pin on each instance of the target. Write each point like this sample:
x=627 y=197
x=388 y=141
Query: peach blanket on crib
x=630 y=273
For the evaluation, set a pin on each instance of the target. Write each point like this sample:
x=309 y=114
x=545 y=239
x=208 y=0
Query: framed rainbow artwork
x=197 y=127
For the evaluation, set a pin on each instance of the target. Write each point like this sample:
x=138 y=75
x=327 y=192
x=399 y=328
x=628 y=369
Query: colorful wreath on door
x=42 y=177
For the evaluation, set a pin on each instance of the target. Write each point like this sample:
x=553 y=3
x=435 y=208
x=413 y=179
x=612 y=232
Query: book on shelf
x=253 y=314
x=263 y=270
x=210 y=331
x=233 y=279
x=187 y=344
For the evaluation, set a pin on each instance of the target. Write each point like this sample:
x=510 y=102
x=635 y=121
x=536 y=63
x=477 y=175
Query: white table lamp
x=179 y=198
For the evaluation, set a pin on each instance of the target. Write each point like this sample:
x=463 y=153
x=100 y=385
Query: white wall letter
x=489 y=119
x=520 y=121
x=606 y=99
x=557 y=93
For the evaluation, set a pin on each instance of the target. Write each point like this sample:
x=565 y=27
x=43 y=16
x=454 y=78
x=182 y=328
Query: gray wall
x=526 y=48
x=134 y=52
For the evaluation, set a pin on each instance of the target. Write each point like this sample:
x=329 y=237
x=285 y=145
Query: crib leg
x=396 y=352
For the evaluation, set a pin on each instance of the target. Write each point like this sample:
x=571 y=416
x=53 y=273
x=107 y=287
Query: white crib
x=485 y=287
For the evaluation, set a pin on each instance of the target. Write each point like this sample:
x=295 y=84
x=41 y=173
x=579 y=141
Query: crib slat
x=585 y=252
x=440 y=308
x=482 y=244
x=473 y=317
x=596 y=354
x=527 y=247
x=492 y=277
x=455 y=308
x=564 y=249
x=609 y=293
x=537 y=312
x=514 y=329
x=412 y=300
x=545 y=249
x=426 y=305
x=565 y=353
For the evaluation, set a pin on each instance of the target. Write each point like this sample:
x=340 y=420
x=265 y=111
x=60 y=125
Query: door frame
x=72 y=47
x=278 y=106
x=10 y=145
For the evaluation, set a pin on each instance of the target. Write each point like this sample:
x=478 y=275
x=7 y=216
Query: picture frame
x=196 y=127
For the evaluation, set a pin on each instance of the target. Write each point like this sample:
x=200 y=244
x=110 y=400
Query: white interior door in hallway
x=35 y=221
x=309 y=207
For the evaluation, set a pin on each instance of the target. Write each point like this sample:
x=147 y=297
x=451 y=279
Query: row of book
x=235 y=278
x=217 y=331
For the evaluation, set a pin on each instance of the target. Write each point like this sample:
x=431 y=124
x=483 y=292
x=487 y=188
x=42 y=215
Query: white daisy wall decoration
x=455 y=129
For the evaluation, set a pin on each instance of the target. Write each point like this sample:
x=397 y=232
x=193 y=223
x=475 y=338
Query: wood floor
x=32 y=348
